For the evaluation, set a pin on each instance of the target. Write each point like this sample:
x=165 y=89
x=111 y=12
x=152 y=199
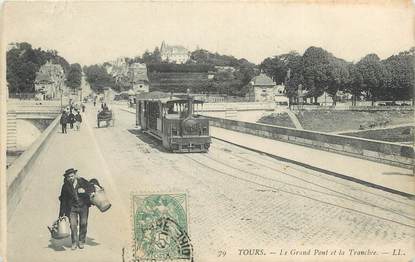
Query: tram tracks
x=337 y=193
x=339 y=200
x=313 y=173
x=301 y=172
x=285 y=172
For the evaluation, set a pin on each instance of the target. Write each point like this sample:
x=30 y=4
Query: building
x=262 y=89
x=174 y=54
x=118 y=67
x=50 y=81
x=137 y=74
x=279 y=95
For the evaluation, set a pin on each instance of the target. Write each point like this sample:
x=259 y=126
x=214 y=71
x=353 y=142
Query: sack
x=60 y=228
x=99 y=199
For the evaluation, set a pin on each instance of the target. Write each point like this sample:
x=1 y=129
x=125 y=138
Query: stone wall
x=385 y=152
x=19 y=171
x=237 y=106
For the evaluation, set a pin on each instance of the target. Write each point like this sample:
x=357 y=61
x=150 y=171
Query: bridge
x=30 y=109
x=250 y=190
x=38 y=113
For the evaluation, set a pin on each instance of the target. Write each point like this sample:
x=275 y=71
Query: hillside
x=178 y=82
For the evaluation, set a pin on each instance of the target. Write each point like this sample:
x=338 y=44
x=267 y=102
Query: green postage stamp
x=160 y=226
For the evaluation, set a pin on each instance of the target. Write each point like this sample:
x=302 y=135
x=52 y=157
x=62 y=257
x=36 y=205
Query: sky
x=94 y=32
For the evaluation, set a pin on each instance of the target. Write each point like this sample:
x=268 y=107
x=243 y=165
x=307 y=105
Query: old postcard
x=207 y=131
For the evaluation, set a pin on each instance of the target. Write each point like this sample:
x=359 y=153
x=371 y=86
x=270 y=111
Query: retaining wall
x=18 y=172
x=236 y=106
x=385 y=152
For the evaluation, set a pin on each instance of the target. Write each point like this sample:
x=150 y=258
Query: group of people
x=72 y=116
x=104 y=107
x=76 y=191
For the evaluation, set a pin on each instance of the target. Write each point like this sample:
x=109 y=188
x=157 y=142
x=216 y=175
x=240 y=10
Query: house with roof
x=262 y=89
x=118 y=68
x=174 y=53
x=49 y=81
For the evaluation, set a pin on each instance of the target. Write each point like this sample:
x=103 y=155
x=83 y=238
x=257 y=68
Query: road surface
x=237 y=199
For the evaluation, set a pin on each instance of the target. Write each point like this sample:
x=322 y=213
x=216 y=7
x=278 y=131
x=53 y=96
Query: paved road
x=236 y=199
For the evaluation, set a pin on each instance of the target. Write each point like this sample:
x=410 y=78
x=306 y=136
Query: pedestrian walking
x=75 y=203
x=83 y=108
x=78 y=120
x=71 y=118
x=64 y=121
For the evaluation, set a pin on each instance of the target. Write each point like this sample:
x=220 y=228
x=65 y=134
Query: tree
x=156 y=55
x=136 y=59
x=375 y=77
x=338 y=77
x=200 y=56
x=316 y=70
x=355 y=84
x=231 y=82
x=275 y=67
x=23 y=62
x=285 y=69
x=21 y=68
x=122 y=83
x=98 y=78
x=74 y=77
x=151 y=57
x=147 y=58
x=402 y=76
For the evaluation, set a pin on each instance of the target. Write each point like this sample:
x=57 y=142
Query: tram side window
x=174 y=131
x=171 y=110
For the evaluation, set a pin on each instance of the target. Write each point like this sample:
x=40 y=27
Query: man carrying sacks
x=75 y=203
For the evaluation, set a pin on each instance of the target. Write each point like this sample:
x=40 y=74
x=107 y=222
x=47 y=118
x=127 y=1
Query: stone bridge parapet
x=384 y=152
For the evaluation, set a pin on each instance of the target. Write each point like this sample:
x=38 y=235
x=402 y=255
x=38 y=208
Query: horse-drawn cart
x=107 y=116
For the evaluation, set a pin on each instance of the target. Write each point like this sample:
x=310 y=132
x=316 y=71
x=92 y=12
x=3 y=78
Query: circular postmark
x=160 y=229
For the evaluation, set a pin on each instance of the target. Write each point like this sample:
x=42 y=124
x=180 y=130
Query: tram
x=171 y=119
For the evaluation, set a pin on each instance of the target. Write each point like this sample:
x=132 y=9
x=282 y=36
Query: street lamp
x=60 y=87
x=300 y=96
